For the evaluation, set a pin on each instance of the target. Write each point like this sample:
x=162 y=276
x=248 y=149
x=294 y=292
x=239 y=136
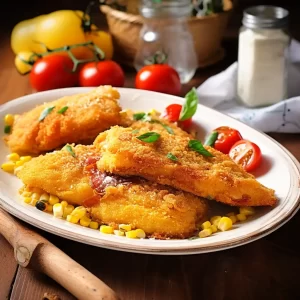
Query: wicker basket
x=207 y=33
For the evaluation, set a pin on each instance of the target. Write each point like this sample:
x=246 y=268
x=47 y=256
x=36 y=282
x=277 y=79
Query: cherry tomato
x=102 y=73
x=53 y=72
x=173 y=113
x=247 y=154
x=226 y=138
x=159 y=78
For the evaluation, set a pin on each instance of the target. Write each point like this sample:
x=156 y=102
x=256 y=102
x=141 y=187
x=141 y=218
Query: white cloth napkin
x=219 y=92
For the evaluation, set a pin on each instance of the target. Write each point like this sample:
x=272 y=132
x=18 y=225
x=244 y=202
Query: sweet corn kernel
x=140 y=233
x=205 y=233
x=131 y=234
x=26 y=194
x=19 y=163
x=53 y=199
x=13 y=157
x=72 y=219
x=8 y=167
x=85 y=221
x=224 y=224
x=17 y=170
x=64 y=204
x=49 y=208
x=233 y=219
x=241 y=217
x=68 y=210
x=124 y=227
x=94 y=225
x=79 y=212
x=25 y=158
x=35 y=196
x=58 y=210
x=247 y=210
x=205 y=225
x=9 y=119
x=215 y=220
x=27 y=200
x=119 y=232
x=213 y=228
x=44 y=197
x=230 y=214
x=106 y=229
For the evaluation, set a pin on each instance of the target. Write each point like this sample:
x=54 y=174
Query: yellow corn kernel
x=106 y=229
x=64 y=204
x=9 y=119
x=49 y=208
x=26 y=194
x=94 y=225
x=35 y=196
x=119 y=232
x=27 y=200
x=58 y=210
x=72 y=219
x=205 y=232
x=154 y=113
x=13 y=157
x=53 y=199
x=215 y=220
x=213 y=228
x=17 y=170
x=131 y=234
x=140 y=233
x=8 y=167
x=85 y=221
x=19 y=163
x=230 y=214
x=224 y=224
x=233 y=219
x=44 y=197
x=241 y=217
x=25 y=158
x=205 y=225
x=68 y=210
x=79 y=212
x=247 y=210
x=124 y=227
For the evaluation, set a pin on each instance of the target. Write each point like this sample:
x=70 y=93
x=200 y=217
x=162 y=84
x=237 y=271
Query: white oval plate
x=279 y=171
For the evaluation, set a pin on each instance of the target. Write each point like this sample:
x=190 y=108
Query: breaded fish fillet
x=216 y=177
x=160 y=211
x=85 y=117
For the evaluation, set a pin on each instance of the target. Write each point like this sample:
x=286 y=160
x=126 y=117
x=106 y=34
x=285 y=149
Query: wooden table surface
x=266 y=269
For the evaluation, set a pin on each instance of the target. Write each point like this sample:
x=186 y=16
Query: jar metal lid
x=265 y=16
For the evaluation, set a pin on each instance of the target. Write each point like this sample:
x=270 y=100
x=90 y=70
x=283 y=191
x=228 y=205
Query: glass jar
x=165 y=37
x=262 y=56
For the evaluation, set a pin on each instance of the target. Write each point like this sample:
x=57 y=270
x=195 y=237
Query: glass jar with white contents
x=262 y=56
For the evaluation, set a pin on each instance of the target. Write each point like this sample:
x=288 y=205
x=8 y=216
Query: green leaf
x=62 y=110
x=139 y=116
x=172 y=156
x=135 y=131
x=149 y=137
x=7 y=129
x=193 y=238
x=212 y=139
x=70 y=150
x=189 y=108
x=45 y=113
x=169 y=129
x=198 y=147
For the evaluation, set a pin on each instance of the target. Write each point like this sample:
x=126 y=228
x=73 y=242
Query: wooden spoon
x=33 y=251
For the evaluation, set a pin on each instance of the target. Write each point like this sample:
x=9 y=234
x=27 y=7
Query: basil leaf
x=45 y=113
x=7 y=129
x=189 y=108
x=62 y=110
x=135 y=131
x=149 y=137
x=70 y=150
x=139 y=116
x=172 y=156
x=169 y=129
x=198 y=147
x=212 y=139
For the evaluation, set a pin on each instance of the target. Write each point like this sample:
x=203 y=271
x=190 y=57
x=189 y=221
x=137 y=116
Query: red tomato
x=247 y=154
x=226 y=138
x=173 y=113
x=159 y=78
x=53 y=72
x=105 y=72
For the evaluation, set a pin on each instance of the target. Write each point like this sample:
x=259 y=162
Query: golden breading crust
x=87 y=115
x=215 y=177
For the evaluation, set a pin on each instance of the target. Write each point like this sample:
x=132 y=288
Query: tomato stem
x=159 y=57
x=86 y=22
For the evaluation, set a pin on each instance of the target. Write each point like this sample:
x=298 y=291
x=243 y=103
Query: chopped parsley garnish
x=212 y=139
x=7 y=129
x=189 y=108
x=149 y=137
x=45 y=113
x=62 y=110
x=70 y=150
x=172 y=156
x=198 y=147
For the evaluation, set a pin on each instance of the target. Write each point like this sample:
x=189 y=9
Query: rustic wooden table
x=265 y=269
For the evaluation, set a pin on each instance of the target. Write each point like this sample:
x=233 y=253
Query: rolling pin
x=33 y=251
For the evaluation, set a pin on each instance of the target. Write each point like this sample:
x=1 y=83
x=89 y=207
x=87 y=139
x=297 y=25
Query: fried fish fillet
x=85 y=117
x=216 y=177
x=160 y=211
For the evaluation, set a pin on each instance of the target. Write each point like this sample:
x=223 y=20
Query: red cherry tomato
x=53 y=72
x=159 y=78
x=226 y=138
x=247 y=154
x=105 y=72
x=173 y=113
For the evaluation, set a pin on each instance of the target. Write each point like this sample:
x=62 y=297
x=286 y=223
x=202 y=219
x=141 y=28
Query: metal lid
x=265 y=16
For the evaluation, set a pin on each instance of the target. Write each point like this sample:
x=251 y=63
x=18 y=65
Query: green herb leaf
x=193 y=238
x=172 y=156
x=62 y=110
x=198 y=147
x=139 y=116
x=149 y=137
x=7 y=129
x=135 y=131
x=212 y=139
x=45 y=113
x=190 y=106
x=70 y=150
x=169 y=129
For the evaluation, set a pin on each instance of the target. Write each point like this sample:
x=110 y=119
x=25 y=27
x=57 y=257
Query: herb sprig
x=189 y=108
x=211 y=139
x=198 y=147
x=149 y=137
x=70 y=150
x=45 y=113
